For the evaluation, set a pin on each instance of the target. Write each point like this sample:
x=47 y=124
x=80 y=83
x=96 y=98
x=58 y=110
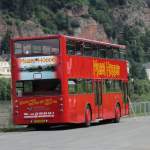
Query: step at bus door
x=98 y=98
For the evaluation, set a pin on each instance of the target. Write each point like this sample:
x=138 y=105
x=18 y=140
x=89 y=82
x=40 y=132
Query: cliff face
x=3 y=27
x=132 y=14
x=129 y=14
x=27 y=28
x=88 y=27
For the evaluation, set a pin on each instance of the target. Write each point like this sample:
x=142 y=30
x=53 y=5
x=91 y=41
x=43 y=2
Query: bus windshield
x=37 y=47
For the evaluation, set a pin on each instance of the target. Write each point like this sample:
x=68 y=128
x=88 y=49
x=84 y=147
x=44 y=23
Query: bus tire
x=88 y=116
x=117 y=114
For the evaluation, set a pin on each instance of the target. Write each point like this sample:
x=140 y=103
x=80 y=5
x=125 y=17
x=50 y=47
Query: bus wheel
x=117 y=114
x=88 y=116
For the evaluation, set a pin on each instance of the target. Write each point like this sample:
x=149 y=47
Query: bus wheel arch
x=88 y=115
x=117 y=113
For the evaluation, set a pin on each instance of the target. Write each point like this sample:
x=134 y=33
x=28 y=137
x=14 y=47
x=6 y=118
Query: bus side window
x=19 y=88
x=81 y=86
x=116 y=53
x=89 y=88
x=101 y=52
x=122 y=55
x=70 y=47
x=28 y=86
x=117 y=86
x=79 y=48
x=109 y=53
x=72 y=86
x=108 y=85
x=95 y=50
x=88 y=49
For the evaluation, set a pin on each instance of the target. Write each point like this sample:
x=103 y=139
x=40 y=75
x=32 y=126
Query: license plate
x=39 y=121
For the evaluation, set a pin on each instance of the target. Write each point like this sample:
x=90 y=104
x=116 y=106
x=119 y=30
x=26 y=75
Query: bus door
x=98 y=98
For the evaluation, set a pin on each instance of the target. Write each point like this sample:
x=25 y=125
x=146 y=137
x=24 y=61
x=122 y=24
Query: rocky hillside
x=119 y=21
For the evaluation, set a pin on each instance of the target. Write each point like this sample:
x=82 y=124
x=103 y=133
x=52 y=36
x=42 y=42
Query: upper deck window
x=116 y=53
x=75 y=47
x=37 y=47
x=109 y=53
x=86 y=48
x=71 y=47
x=123 y=54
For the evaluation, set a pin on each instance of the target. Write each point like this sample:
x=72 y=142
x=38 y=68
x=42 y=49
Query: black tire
x=117 y=114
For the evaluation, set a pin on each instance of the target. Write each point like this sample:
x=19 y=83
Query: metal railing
x=140 y=108
x=5 y=114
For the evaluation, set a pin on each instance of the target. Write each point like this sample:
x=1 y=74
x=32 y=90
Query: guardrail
x=5 y=114
x=140 y=108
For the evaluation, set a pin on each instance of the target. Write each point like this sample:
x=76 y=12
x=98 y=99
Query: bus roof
x=70 y=37
x=98 y=42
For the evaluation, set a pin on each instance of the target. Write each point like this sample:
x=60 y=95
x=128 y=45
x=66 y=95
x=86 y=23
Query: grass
x=140 y=98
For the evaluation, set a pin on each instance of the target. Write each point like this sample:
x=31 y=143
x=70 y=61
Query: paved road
x=129 y=134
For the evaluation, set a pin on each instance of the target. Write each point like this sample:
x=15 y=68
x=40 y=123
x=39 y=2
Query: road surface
x=129 y=134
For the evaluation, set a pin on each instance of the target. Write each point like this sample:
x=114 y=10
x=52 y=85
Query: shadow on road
x=53 y=127
x=66 y=126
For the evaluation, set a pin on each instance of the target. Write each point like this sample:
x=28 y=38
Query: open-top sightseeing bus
x=59 y=79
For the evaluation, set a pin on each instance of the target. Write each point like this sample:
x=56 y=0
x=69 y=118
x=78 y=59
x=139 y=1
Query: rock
x=90 y=29
x=3 y=27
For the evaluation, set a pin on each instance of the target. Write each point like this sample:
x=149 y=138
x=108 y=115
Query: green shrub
x=139 y=90
x=75 y=23
x=61 y=20
x=4 y=89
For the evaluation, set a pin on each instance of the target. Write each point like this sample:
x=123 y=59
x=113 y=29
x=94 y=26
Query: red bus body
x=68 y=107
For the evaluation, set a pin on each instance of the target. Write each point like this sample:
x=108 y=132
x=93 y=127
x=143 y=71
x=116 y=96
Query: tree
x=4 y=89
x=5 y=43
x=26 y=9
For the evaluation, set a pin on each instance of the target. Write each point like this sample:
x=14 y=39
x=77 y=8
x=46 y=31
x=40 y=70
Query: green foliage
x=46 y=18
x=117 y=2
x=5 y=43
x=19 y=8
x=8 y=19
x=99 y=4
x=137 y=71
x=4 y=89
x=101 y=12
x=26 y=9
x=75 y=23
x=146 y=45
x=61 y=21
x=138 y=44
x=140 y=90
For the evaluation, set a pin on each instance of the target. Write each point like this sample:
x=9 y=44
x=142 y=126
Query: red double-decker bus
x=59 y=79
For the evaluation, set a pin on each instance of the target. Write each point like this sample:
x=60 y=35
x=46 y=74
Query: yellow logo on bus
x=105 y=69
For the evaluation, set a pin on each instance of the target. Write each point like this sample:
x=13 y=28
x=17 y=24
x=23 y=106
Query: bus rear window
x=38 y=87
x=37 y=47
